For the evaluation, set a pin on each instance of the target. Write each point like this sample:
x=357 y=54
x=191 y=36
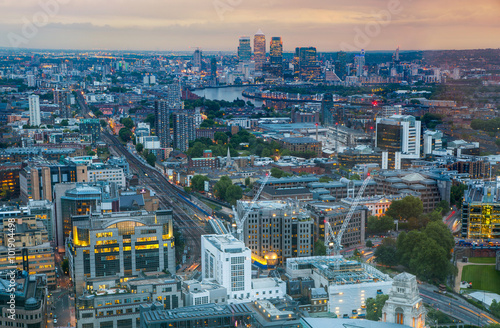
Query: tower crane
x=332 y=242
x=239 y=222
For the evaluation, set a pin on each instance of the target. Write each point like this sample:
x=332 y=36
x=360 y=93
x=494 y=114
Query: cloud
x=181 y=24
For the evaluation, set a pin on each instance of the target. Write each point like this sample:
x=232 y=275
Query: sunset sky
x=217 y=24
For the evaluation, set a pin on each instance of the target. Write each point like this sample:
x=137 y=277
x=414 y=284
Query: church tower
x=404 y=305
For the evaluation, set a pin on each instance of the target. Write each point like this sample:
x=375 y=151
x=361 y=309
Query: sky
x=216 y=25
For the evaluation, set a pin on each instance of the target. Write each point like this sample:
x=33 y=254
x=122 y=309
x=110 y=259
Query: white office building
x=399 y=135
x=107 y=173
x=226 y=261
x=34 y=103
x=432 y=141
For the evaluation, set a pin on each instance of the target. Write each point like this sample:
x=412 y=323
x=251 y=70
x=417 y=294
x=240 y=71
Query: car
x=55 y=320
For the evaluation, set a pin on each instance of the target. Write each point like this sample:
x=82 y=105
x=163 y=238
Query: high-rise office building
x=481 y=211
x=163 y=108
x=34 y=103
x=306 y=65
x=327 y=115
x=275 y=65
x=213 y=67
x=341 y=65
x=63 y=99
x=244 y=49
x=184 y=130
x=276 y=51
x=162 y=122
x=30 y=291
x=277 y=228
x=91 y=126
x=398 y=136
x=226 y=261
x=197 y=55
x=359 y=63
x=119 y=245
x=259 y=50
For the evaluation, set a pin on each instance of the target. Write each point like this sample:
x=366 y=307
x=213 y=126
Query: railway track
x=167 y=194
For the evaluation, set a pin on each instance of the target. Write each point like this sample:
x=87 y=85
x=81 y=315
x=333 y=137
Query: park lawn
x=482 y=260
x=483 y=277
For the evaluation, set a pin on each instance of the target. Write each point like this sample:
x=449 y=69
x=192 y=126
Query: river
x=228 y=94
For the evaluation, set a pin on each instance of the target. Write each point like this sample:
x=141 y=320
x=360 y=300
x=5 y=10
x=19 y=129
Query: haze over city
x=180 y=25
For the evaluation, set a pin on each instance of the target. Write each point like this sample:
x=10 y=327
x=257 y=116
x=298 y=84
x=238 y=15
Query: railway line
x=168 y=195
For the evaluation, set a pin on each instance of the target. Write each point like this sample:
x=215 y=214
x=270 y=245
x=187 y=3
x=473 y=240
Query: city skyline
x=217 y=25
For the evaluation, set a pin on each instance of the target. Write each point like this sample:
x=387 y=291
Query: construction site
x=348 y=283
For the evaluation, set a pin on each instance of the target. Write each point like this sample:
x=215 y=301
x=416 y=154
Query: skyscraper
x=34 y=103
x=244 y=49
x=327 y=110
x=276 y=51
x=341 y=65
x=359 y=63
x=399 y=136
x=162 y=122
x=184 y=130
x=213 y=67
x=63 y=99
x=259 y=50
x=307 y=67
x=197 y=58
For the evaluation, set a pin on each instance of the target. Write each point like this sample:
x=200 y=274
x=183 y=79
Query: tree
x=355 y=177
x=125 y=134
x=277 y=173
x=443 y=207
x=221 y=186
x=386 y=252
x=442 y=235
x=435 y=216
x=151 y=159
x=65 y=265
x=247 y=181
x=150 y=119
x=369 y=243
x=233 y=193
x=495 y=308
x=319 y=248
x=457 y=193
x=91 y=153
x=64 y=123
x=374 y=307
x=197 y=150
x=325 y=179
x=220 y=138
x=408 y=207
x=127 y=122
x=103 y=123
x=379 y=224
x=139 y=147
x=198 y=182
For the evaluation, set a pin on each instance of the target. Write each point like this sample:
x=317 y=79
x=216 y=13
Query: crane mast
x=241 y=221
x=332 y=242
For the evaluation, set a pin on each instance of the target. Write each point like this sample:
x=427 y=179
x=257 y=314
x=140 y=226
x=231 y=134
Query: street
x=454 y=306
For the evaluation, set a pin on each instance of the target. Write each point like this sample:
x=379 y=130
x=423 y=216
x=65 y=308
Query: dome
x=272 y=258
x=31 y=304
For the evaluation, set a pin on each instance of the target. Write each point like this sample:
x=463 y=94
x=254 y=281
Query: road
x=60 y=303
x=168 y=195
x=453 y=220
x=455 y=306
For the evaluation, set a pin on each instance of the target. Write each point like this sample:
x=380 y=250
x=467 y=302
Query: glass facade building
x=120 y=245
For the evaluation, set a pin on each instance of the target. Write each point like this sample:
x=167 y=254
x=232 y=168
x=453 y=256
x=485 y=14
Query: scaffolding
x=337 y=270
